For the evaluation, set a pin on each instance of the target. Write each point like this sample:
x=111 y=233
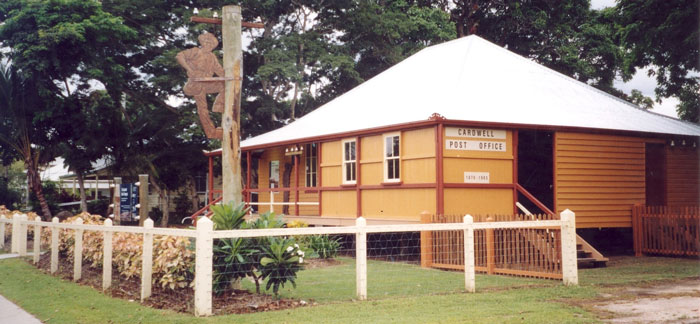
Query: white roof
x=471 y=79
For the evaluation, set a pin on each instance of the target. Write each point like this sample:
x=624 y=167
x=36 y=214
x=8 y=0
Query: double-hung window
x=349 y=161
x=392 y=162
x=310 y=160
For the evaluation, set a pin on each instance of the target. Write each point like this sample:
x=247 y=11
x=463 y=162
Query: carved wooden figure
x=201 y=65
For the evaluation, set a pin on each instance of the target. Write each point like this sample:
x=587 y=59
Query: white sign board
x=463 y=145
x=475 y=132
x=477 y=177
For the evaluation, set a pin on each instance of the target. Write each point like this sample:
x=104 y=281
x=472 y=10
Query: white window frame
x=344 y=161
x=311 y=171
x=386 y=158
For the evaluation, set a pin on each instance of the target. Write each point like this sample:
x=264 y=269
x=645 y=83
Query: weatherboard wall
x=682 y=175
x=600 y=177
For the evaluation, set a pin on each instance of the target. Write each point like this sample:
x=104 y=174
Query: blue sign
x=128 y=199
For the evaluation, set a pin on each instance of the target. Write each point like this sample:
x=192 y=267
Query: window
x=311 y=157
x=274 y=174
x=392 y=162
x=349 y=162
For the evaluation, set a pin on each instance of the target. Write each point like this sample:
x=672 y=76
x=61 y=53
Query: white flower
x=301 y=260
x=296 y=245
x=290 y=249
x=300 y=253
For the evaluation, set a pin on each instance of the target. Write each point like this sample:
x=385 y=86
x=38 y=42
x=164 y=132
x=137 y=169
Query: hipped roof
x=471 y=79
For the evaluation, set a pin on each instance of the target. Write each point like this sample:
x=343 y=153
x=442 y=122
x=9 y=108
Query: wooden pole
x=490 y=249
x=426 y=242
x=143 y=198
x=117 y=201
x=233 y=70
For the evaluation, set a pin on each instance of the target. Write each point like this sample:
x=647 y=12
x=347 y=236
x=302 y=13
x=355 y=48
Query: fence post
x=361 y=258
x=54 y=246
x=426 y=242
x=14 y=239
x=22 y=238
x=107 y=256
x=143 y=198
x=568 y=248
x=469 y=270
x=78 y=252
x=116 y=200
x=490 y=249
x=147 y=260
x=204 y=260
x=636 y=230
x=37 y=241
x=2 y=232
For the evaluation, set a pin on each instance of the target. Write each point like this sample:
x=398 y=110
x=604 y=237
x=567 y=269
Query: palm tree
x=24 y=132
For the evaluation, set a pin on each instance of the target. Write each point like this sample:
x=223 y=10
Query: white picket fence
x=204 y=235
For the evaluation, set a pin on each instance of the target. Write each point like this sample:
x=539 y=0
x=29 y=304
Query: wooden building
x=469 y=127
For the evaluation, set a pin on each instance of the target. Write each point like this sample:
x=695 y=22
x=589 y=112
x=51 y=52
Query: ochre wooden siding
x=404 y=204
x=599 y=177
x=682 y=176
x=484 y=200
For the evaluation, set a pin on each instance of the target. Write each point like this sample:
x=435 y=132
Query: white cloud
x=600 y=4
x=646 y=84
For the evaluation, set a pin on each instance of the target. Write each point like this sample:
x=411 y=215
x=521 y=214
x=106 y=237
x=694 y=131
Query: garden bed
x=181 y=300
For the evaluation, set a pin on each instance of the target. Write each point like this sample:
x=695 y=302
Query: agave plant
x=228 y=217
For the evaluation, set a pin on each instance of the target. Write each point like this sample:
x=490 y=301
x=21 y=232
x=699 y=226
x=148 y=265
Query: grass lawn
x=54 y=300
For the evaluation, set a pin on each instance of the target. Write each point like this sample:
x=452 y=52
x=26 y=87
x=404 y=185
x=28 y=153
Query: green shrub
x=324 y=246
x=280 y=263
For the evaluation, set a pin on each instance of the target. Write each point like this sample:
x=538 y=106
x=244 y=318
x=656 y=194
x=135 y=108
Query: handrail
x=196 y=214
x=532 y=198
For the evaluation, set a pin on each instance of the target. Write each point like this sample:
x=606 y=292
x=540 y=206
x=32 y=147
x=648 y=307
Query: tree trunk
x=83 y=197
x=285 y=184
x=194 y=197
x=165 y=203
x=34 y=182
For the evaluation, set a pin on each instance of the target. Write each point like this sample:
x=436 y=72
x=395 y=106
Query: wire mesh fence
x=207 y=271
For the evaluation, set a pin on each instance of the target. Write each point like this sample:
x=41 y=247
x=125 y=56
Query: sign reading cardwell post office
x=475 y=145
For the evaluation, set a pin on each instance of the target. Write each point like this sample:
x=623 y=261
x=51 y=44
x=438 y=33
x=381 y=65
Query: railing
x=664 y=230
x=205 y=211
x=205 y=237
x=530 y=252
x=272 y=202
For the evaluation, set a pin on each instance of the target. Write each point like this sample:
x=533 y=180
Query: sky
x=641 y=81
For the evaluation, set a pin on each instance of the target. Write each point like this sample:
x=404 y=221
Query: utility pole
x=233 y=71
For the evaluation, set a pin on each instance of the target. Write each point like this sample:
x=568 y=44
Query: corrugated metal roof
x=471 y=79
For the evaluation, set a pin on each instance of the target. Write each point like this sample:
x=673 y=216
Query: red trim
x=425 y=123
x=211 y=179
x=391 y=184
x=319 y=173
x=358 y=174
x=532 y=198
x=481 y=185
x=439 y=163
x=349 y=185
x=296 y=185
x=554 y=170
x=248 y=161
x=515 y=170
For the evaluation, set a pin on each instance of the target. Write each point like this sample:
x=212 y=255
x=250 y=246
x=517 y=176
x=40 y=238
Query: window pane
x=346 y=151
x=396 y=169
x=352 y=151
x=387 y=146
x=395 y=146
x=353 y=177
x=390 y=169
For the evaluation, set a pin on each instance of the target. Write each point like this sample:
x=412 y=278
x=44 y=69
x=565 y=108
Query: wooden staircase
x=588 y=256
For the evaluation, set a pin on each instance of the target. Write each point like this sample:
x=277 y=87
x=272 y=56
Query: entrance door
x=655 y=174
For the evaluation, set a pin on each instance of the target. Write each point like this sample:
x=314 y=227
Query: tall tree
x=664 y=35
x=25 y=127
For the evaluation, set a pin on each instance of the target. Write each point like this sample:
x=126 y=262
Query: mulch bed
x=181 y=300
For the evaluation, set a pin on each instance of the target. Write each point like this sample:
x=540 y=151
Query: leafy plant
x=281 y=261
x=227 y=217
x=324 y=246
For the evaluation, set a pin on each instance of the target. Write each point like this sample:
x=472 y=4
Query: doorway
x=535 y=168
x=655 y=158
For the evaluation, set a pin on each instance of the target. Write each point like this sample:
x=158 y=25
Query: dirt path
x=674 y=302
